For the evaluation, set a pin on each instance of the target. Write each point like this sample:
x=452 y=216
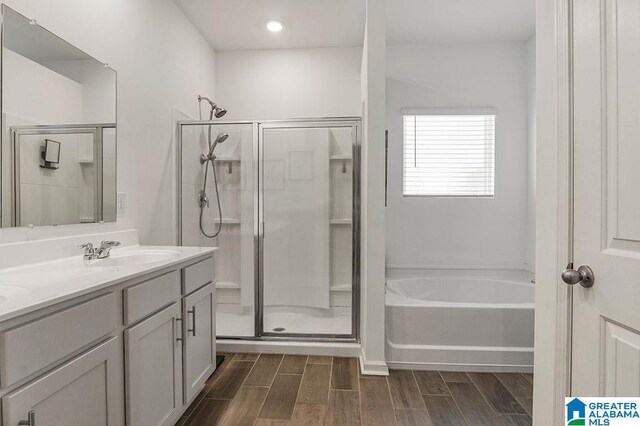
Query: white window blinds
x=449 y=155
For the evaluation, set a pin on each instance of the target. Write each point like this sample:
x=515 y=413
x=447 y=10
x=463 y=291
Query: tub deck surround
x=462 y=292
x=30 y=287
x=465 y=323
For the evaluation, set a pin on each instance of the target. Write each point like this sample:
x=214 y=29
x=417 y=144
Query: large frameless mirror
x=58 y=144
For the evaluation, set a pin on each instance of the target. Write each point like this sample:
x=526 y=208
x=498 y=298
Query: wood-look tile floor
x=267 y=389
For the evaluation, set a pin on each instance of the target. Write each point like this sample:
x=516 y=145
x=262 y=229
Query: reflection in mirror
x=50 y=154
x=58 y=146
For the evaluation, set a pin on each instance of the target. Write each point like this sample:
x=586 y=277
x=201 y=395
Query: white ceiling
x=421 y=21
x=240 y=24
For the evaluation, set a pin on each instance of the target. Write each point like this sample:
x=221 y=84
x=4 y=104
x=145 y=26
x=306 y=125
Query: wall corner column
x=372 y=314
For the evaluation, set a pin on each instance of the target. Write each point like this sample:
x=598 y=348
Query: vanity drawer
x=149 y=296
x=195 y=276
x=29 y=348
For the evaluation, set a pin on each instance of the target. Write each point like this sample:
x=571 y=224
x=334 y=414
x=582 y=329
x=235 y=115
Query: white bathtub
x=460 y=323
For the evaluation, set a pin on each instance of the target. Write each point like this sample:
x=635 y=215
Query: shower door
x=235 y=179
x=307 y=222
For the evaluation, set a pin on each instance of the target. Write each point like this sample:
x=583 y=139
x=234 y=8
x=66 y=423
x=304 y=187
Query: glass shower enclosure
x=288 y=264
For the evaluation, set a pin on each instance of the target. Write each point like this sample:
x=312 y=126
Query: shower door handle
x=386 y=165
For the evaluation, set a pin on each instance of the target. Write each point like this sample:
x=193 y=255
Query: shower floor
x=233 y=324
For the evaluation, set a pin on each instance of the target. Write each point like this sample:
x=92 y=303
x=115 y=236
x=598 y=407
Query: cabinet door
x=200 y=340
x=153 y=365
x=85 y=391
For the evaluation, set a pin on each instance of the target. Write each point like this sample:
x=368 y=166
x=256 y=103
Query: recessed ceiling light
x=275 y=26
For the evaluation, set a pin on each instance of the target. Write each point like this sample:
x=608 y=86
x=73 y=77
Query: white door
x=84 y=391
x=606 y=317
x=154 y=369
x=200 y=340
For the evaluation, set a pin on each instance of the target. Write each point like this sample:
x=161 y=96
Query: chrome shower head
x=216 y=111
x=219 y=112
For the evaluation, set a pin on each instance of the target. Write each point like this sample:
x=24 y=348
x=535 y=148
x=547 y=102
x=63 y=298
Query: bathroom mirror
x=58 y=144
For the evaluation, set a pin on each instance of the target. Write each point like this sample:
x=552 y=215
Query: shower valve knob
x=203 y=199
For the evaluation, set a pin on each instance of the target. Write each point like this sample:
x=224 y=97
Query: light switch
x=121 y=202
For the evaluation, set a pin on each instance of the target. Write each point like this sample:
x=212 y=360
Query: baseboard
x=477 y=368
x=372 y=368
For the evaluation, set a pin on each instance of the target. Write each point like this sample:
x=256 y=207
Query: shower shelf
x=340 y=221
x=342 y=158
x=228 y=159
x=227 y=285
x=87 y=161
x=340 y=287
x=228 y=221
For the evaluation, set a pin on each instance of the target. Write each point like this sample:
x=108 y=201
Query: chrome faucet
x=89 y=251
x=105 y=248
x=102 y=252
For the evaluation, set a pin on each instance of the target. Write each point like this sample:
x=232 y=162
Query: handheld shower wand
x=209 y=158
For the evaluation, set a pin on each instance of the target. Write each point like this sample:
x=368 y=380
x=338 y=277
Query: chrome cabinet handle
x=584 y=275
x=193 y=313
x=179 y=320
x=31 y=419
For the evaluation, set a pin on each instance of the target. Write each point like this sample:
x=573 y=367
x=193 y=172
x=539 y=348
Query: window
x=449 y=154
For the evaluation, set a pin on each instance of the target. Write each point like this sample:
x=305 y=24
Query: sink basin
x=44 y=275
x=129 y=258
x=142 y=257
x=57 y=273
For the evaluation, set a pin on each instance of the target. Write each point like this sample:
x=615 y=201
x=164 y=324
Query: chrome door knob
x=584 y=275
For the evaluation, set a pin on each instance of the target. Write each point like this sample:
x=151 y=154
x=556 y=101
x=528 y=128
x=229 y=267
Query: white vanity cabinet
x=32 y=346
x=153 y=368
x=133 y=352
x=84 y=391
x=200 y=340
x=170 y=354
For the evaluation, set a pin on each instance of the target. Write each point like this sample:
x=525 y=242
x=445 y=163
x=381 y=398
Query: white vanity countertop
x=27 y=288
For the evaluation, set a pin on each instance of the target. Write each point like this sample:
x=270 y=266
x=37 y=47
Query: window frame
x=449 y=111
